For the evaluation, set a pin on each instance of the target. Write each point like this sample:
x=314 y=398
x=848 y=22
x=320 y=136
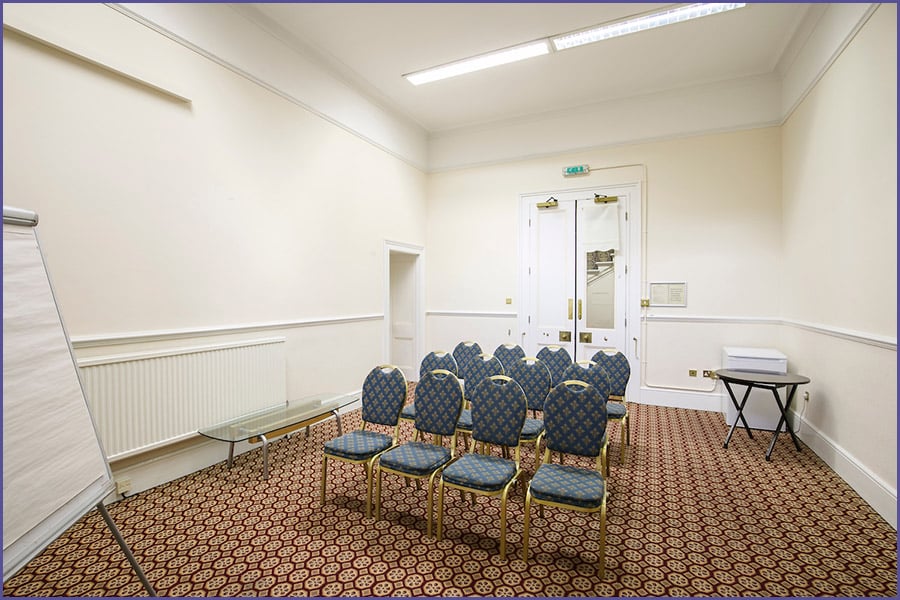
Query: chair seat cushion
x=565 y=484
x=358 y=445
x=415 y=458
x=409 y=412
x=531 y=429
x=615 y=411
x=465 y=420
x=483 y=472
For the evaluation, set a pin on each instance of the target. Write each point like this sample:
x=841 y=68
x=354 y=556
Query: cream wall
x=839 y=272
x=165 y=223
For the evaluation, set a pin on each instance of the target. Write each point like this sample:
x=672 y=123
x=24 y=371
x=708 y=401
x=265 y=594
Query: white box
x=761 y=412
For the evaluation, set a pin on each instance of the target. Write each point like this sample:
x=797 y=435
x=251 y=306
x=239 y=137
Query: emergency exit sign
x=576 y=170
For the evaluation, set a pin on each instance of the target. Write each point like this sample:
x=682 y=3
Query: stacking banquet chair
x=463 y=353
x=383 y=395
x=616 y=366
x=534 y=378
x=481 y=367
x=590 y=372
x=437 y=359
x=438 y=404
x=557 y=360
x=507 y=354
x=497 y=419
x=575 y=417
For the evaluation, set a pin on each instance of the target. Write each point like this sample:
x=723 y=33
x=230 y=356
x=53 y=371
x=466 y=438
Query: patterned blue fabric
x=564 y=484
x=498 y=411
x=484 y=472
x=615 y=411
x=438 y=403
x=438 y=360
x=557 y=360
x=531 y=429
x=575 y=419
x=416 y=458
x=383 y=395
x=463 y=353
x=358 y=445
x=409 y=412
x=618 y=369
x=590 y=372
x=465 y=420
x=507 y=354
x=481 y=367
x=534 y=377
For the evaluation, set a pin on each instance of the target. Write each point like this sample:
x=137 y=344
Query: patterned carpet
x=686 y=518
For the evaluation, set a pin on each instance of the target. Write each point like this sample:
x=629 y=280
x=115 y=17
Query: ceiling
x=371 y=46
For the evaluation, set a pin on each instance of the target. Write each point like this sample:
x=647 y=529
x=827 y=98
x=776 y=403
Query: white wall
x=839 y=273
x=165 y=222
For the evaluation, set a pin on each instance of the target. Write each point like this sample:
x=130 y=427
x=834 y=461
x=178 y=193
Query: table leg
x=265 y=444
x=783 y=420
x=740 y=412
x=230 y=454
x=337 y=417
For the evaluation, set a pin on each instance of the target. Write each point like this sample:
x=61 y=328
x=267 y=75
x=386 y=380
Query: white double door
x=578 y=271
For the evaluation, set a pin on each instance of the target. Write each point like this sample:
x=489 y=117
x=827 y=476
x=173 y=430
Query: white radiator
x=141 y=401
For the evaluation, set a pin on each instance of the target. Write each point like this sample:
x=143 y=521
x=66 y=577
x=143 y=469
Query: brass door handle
x=579 y=310
x=570 y=309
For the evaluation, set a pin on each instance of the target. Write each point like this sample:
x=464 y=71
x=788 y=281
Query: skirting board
x=876 y=492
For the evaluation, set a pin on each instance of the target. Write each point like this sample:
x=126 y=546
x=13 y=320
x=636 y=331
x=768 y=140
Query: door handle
x=579 y=309
x=570 y=309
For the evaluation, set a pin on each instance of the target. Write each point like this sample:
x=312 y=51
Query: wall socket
x=123 y=486
x=710 y=374
x=692 y=372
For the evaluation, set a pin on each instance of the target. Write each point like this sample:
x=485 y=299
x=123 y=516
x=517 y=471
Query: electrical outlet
x=806 y=396
x=708 y=373
x=123 y=486
x=692 y=372
x=509 y=300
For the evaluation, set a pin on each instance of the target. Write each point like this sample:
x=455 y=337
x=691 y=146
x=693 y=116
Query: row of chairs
x=575 y=420
x=575 y=417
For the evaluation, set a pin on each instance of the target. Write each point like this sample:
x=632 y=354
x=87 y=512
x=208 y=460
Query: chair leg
x=369 y=465
x=623 y=427
x=377 y=494
x=322 y=484
x=525 y=530
x=503 y=524
x=430 y=504
x=603 y=540
x=440 y=509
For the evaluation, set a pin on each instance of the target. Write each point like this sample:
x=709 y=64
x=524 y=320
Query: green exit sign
x=576 y=170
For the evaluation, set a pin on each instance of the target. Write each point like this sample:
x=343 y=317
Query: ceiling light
x=477 y=63
x=643 y=23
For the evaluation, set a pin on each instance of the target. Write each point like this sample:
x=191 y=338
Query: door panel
x=553 y=289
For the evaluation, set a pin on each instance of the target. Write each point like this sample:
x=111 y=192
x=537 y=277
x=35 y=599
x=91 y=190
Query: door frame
x=633 y=292
x=390 y=248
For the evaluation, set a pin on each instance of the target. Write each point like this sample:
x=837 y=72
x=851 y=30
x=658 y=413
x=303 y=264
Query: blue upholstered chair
x=557 y=360
x=507 y=354
x=616 y=366
x=463 y=353
x=383 y=395
x=481 y=367
x=575 y=420
x=590 y=372
x=438 y=359
x=438 y=404
x=534 y=378
x=497 y=419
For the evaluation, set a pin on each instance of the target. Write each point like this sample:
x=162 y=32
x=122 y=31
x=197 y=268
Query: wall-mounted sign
x=668 y=293
x=576 y=170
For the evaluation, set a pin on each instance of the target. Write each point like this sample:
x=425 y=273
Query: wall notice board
x=54 y=467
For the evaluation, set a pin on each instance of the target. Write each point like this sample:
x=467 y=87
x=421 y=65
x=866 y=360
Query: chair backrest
x=589 y=372
x=383 y=395
x=439 y=402
x=438 y=359
x=463 y=353
x=557 y=360
x=534 y=377
x=498 y=412
x=481 y=367
x=617 y=367
x=507 y=354
x=575 y=419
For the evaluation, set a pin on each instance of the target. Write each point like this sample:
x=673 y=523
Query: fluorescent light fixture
x=477 y=63
x=652 y=21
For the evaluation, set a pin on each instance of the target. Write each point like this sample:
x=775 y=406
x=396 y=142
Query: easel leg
x=124 y=546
